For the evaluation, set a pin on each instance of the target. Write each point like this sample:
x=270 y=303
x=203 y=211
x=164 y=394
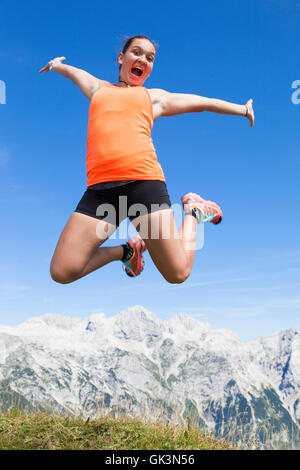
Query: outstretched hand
x=250 y=114
x=46 y=68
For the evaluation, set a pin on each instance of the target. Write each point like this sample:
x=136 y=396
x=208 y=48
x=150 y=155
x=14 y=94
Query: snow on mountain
x=138 y=363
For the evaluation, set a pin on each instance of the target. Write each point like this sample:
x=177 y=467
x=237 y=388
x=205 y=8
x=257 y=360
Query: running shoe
x=205 y=211
x=135 y=265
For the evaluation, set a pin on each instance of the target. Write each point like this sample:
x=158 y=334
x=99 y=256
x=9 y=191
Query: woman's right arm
x=86 y=82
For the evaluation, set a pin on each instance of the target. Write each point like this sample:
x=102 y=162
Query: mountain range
x=179 y=370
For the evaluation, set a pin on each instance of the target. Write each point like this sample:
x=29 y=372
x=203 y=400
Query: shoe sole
x=140 y=248
x=194 y=198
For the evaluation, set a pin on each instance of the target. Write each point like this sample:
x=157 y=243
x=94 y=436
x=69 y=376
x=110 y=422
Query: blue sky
x=246 y=277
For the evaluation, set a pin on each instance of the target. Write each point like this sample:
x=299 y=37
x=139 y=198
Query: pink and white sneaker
x=135 y=264
x=205 y=211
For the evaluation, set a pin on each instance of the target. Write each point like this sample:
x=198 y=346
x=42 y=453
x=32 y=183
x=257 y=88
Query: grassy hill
x=40 y=431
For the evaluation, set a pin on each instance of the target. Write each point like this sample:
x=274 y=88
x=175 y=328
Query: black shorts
x=130 y=200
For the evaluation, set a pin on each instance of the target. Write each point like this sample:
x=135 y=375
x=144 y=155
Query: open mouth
x=136 y=71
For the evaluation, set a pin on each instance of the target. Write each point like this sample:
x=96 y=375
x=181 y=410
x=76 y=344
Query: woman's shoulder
x=156 y=94
x=101 y=84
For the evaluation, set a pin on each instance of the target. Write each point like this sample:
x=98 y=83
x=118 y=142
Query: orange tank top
x=119 y=143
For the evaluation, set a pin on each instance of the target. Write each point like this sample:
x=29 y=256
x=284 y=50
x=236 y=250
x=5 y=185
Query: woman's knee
x=177 y=276
x=63 y=275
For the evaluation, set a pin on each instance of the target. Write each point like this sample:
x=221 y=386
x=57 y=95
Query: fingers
x=46 y=68
x=251 y=115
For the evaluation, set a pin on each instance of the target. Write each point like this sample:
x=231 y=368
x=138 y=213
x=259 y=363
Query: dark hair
x=129 y=41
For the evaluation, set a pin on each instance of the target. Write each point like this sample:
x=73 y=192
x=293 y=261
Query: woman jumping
x=123 y=173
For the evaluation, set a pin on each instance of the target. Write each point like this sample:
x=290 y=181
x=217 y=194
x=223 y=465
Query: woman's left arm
x=179 y=103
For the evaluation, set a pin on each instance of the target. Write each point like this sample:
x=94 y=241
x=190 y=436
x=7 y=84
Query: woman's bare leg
x=78 y=250
x=172 y=251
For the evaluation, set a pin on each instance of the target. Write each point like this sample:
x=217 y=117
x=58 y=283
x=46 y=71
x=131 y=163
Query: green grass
x=40 y=431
